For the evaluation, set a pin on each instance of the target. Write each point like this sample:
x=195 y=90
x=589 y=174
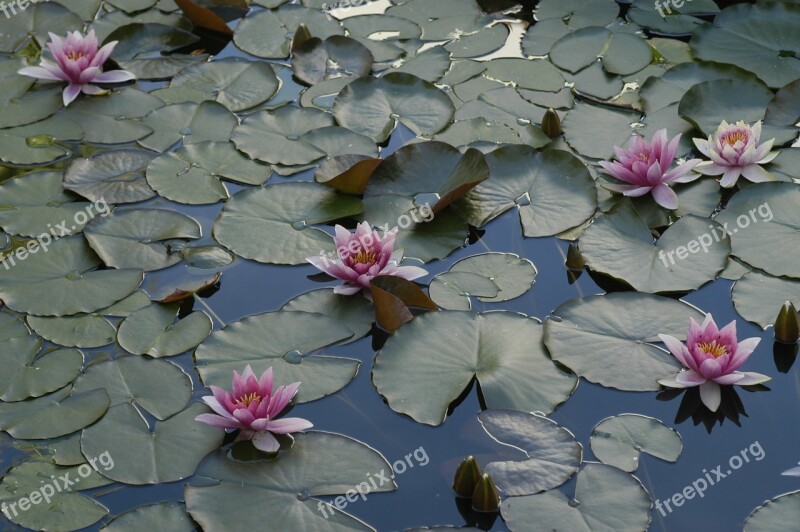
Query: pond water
x=492 y=102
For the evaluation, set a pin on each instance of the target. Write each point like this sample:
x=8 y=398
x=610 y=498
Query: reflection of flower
x=711 y=357
x=79 y=63
x=362 y=256
x=734 y=150
x=646 y=167
x=252 y=406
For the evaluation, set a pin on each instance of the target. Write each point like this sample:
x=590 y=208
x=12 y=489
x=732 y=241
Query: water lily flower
x=253 y=407
x=362 y=256
x=734 y=151
x=79 y=63
x=646 y=167
x=711 y=357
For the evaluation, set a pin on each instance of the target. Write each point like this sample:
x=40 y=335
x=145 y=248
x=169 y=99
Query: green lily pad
x=619 y=440
x=66 y=509
x=675 y=20
x=168 y=453
x=620 y=244
x=113 y=119
x=593 y=131
x=272 y=224
x=158 y=386
x=607 y=339
x=33 y=203
x=153 y=331
x=784 y=109
x=552 y=190
x=29 y=107
x=207 y=257
x=319 y=465
x=759 y=297
x=355 y=313
x=536 y=74
x=235 y=83
x=776 y=514
x=64 y=450
x=40 y=143
x=316 y=60
x=508 y=276
x=53 y=415
x=90 y=330
x=129 y=305
x=755 y=242
x=30 y=376
x=421 y=370
x=760 y=38
x=429 y=65
x=161 y=68
x=606 y=500
x=551 y=454
x=578 y=13
x=268 y=33
x=279 y=339
x=141 y=238
x=373 y=106
x=64 y=281
x=36 y=21
x=141 y=38
x=477 y=133
x=190 y=122
x=164 y=515
x=114 y=176
x=620 y=53
x=707 y=104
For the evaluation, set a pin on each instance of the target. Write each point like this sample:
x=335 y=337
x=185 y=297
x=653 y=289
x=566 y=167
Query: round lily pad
x=355 y=313
x=64 y=280
x=550 y=453
x=53 y=415
x=316 y=60
x=707 y=104
x=154 y=331
x=780 y=513
x=189 y=122
x=619 y=440
x=759 y=297
x=113 y=177
x=164 y=515
x=608 y=339
x=235 y=83
x=283 y=340
x=89 y=330
x=31 y=376
x=429 y=362
x=452 y=290
x=141 y=238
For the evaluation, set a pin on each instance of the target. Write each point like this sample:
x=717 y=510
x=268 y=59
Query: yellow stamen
x=364 y=257
x=736 y=136
x=75 y=55
x=713 y=349
x=250 y=398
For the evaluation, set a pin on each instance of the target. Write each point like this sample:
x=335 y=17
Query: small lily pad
x=30 y=376
x=54 y=415
x=89 y=330
x=235 y=83
x=619 y=440
x=114 y=177
x=153 y=331
x=758 y=297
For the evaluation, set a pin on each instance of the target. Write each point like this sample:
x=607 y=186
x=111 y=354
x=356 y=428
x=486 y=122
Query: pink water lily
x=362 y=256
x=645 y=166
x=253 y=407
x=734 y=151
x=79 y=63
x=711 y=357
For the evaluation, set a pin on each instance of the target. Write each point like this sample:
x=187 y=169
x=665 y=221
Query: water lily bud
x=467 y=476
x=787 y=326
x=551 y=124
x=301 y=35
x=486 y=498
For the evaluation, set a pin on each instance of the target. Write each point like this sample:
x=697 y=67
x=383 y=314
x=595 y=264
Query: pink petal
x=347 y=289
x=751 y=378
x=71 y=92
x=690 y=378
x=104 y=53
x=215 y=405
x=756 y=174
x=113 y=76
x=711 y=395
x=665 y=197
x=410 y=272
x=678 y=350
x=702 y=146
x=288 y=425
x=40 y=73
x=710 y=368
x=709 y=168
x=217 y=421
x=265 y=442
x=743 y=352
x=730 y=378
x=730 y=177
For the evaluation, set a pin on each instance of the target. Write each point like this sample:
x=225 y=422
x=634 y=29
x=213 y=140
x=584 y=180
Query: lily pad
x=153 y=331
x=452 y=290
x=759 y=297
x=39 y=143
x=619 y=440
x=552 y=190
x=64 y=510
x=674 y=20
x=356 y=313
x=283 y=340
x=168 y=453
x=36 y=22
x=755 y=238
x=606 y=500
x=776 y=514
x=317 y=466
x=90 y=330
x=578 y=13
x=160 y=387
x=593 y=131
x=429 y=362
x=113 y=119
x=141 y=238
x=53 y=415
x=608 y=339
x=169 y=515
x=761 y=38
x=690 y=253
x=235 y=83
x=551 y=454
x=64 y=281
x=190 y=122
x=707 y=104
x=373 y=106
x=114 y=176
x=316 y=60
x=272 y=224
x=30 y=376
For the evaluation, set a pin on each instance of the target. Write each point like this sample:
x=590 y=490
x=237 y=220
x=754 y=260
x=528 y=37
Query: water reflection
x=691 y=406
x=784 y=355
